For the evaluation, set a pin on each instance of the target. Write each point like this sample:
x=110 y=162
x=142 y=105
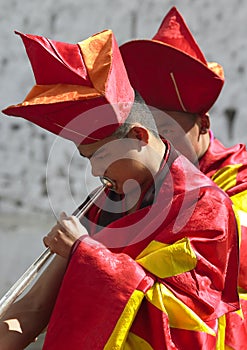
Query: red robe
x=160 y=278
x=227 y=167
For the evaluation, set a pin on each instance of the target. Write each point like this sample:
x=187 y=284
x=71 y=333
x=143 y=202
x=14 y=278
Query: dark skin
x=188 y=132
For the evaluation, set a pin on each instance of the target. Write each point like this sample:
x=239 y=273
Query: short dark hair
x=140 y=113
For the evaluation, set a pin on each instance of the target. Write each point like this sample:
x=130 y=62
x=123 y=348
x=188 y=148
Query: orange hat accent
x=72 y=80
x=170 y=71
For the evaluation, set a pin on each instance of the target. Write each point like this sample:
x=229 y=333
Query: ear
x=204 y=123
x=139 y=133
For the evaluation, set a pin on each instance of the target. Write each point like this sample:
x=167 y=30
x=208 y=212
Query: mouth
x=111 y=184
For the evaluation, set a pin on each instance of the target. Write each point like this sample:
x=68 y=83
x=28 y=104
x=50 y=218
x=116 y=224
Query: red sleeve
x=95 y=290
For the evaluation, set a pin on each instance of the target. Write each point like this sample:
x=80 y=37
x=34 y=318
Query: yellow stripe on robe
x=121 y=330
x=244 y=297
x=221 y=333
x=226 y=177
x=165 y=260
x=180 y=316
x=240 y=210
x=240 y=200
x=241 y=218
x=135 y=342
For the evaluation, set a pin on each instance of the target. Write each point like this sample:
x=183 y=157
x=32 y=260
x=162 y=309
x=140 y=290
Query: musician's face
x=125 y=161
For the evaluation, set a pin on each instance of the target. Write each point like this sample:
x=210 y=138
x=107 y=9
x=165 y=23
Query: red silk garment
x=160 y=278
x=228 y=168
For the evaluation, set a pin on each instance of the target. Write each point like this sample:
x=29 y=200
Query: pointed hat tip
x=174 y=31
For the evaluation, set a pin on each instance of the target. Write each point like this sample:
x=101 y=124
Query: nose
x=98 y=167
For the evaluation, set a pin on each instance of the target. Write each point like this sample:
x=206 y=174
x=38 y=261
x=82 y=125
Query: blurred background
x=41 y=175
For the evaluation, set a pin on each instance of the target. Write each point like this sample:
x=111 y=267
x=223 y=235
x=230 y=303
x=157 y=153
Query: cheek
x=191 y=146
x=185 y=143
x=123 y=168
x=125 y=174
x=180 y=141
x=192 y=138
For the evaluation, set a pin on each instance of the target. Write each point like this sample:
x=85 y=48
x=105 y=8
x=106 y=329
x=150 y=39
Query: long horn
x=22 y=283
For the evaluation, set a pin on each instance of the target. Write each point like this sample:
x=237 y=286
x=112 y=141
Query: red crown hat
x=170 y=71
x=82 y=92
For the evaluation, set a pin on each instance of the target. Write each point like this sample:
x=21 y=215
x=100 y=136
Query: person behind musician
x=153 y=264
x=181 y=100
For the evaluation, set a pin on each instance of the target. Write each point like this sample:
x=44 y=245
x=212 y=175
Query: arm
x=98 y=300
x=27 y=317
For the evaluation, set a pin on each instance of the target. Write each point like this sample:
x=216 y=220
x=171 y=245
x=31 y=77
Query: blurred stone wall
x=40 y=175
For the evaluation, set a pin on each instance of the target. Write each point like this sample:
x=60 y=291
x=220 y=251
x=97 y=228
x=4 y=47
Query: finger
x=44 y=241
x=58 y=245
x=66 y=222
x=63 y=220
x=47 y=242
x=63 y=215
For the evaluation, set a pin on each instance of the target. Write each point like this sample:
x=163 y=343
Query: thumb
x=63 y=215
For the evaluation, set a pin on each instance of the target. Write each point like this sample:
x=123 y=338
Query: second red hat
x=170 y=71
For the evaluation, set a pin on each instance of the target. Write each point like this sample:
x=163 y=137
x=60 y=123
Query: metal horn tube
x=22 y=283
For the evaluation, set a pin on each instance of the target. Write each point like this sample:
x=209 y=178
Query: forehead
x=172 y=118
